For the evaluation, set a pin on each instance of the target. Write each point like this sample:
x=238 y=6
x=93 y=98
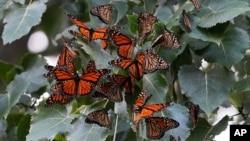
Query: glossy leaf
x=230 y=50
x=47 y=122
x=21 y=20
x=221 y=11
x=205 y=131
x=20 y=85
x=207 y=89
x=242 y=85
x=85 y=132
x=155 y=84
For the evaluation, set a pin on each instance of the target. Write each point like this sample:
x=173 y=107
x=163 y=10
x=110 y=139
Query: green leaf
x=122 y=8
x=242 y=85
x=133 y=23
x=150 y=5
x=218 y=11
x=23 y=127
x=7 y=71
x=87 y=132
x=96 y=52
x=32 y=79
x=231 y=49
x=204 y=131
x=20 y=1
x=47 y=122
x=156 y=84
x=207 y=89
x=19 y=21
x=3 y=5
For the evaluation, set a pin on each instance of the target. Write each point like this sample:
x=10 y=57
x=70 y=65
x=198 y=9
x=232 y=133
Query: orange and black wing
x=122 y=63
x=153 y=62
x=186 y=21
x=103 y=12
x=125 y=82
x=196 y=4
x=153 y=129
x=167 y=40
x=99 y=33
x=145 y=23
x=58 y=99
x=141 y=101
x=99 y=117
x=157 y=126
x=84 y=30
x=90 y=67
x=136 y=70
x=110 y=91
x=87 y=81
x=149 y=110
x=194 y=111
x=65 y=61
x=125 y=45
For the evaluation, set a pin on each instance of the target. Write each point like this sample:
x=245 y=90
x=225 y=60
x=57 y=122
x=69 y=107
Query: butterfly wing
x=58 y=99
x=196 y=4
x=121 y=63
x=152 y=62
x=149 y=110
x=125 y=45
x=157 y=126
x=154 y=131
x=194 y=111
x=186 y=21
x=103 y=12
x=99 y=117
x=99 y=33
x=125 y=82
x=90 y=67
x=145 y=23
x=110 y=90
x=167 y=39
x=141 y=100
x=136 y=70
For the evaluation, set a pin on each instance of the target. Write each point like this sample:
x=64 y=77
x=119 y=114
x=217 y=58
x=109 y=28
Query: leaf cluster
x=211 y=69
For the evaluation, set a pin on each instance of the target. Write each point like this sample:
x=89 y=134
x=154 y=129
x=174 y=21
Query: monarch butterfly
x=109 y=90
x=157 y=126
x=79 y=85
x=87 y=32
x=114 y=88
x=59 y=99
x=135 y=66
x=194 y=111
x=103 y=12
x=65 y=61
x=141 y=111
x=125 y=82
x=196 y=4
x=99 y=117
x=125 y=45
x=186 y=21
x=153 y=62
x=109 y=36
x=172 y=138
x=167 y=39
x=145 y=23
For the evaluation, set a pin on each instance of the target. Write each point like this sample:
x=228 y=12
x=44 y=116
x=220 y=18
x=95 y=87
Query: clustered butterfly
x=71 y=84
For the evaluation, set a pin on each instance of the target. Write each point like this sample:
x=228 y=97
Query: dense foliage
x=219 y=37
